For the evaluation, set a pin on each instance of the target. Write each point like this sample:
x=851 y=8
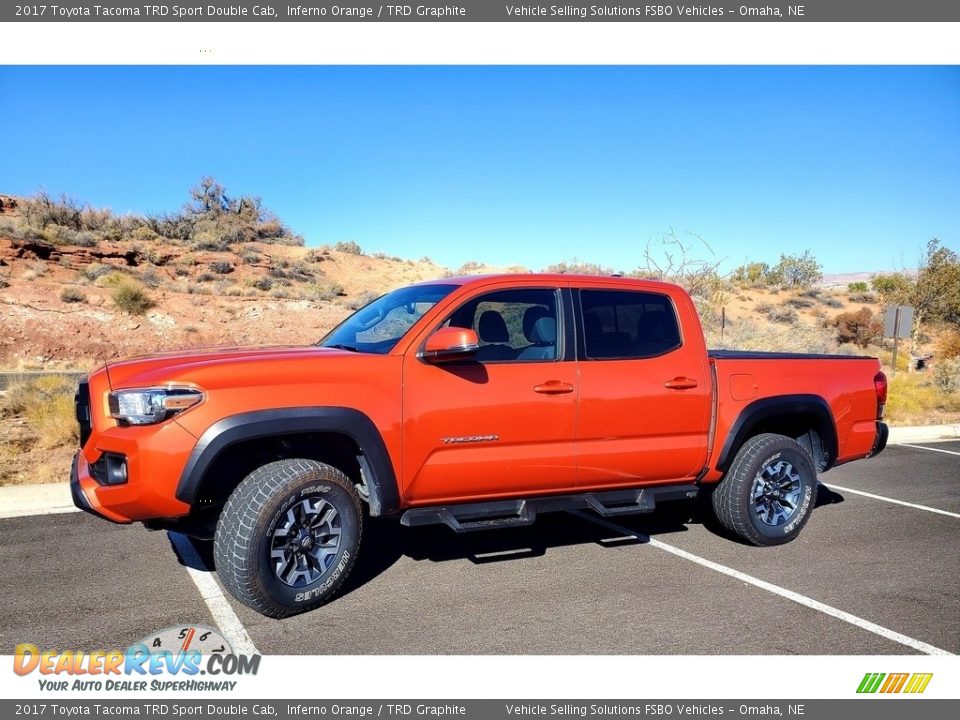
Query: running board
x=515 y=513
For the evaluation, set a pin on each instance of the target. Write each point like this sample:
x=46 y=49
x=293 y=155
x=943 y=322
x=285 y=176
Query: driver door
x=502 y=423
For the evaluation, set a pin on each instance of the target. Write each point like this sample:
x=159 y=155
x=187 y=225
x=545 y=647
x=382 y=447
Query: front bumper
x=76 y=492
x=883 y=432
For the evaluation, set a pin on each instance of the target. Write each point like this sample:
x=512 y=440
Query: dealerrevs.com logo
x=909 y=683
x=183 y=652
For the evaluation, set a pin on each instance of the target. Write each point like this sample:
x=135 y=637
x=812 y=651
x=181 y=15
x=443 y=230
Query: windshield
x=377 y=327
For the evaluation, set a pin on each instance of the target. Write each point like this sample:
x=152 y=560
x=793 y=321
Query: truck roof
x=556 y=278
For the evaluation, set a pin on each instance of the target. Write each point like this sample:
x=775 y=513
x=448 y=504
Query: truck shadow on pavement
x=386 y=541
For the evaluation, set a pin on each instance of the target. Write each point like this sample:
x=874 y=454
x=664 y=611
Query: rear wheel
x=769 y=492
x=288 y=536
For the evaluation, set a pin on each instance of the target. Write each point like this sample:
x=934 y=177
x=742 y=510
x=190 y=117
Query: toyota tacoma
x=473 y=402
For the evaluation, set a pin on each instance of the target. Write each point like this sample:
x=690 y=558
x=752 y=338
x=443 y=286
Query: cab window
x=628 y=325
x=512 y=325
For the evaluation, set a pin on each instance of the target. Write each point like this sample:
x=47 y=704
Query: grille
x=82 y=402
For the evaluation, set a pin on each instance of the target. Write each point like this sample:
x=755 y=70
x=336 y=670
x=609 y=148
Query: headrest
x=492 y=328
x=544 y=331
x=530 y=316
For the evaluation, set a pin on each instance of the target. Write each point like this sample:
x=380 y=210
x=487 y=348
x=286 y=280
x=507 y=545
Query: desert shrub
x=863 y=297
x=348 y=246
x=263 y=283
x=35 y=270
x=181 y=271
x=206 y=277
x=145 y=233
x=250 y=258
x=131 y=298
x=42 y=210
x=468 y=267
x=301 y=271
x=221 y=267
x=95 y=271
x=315 y=256
x=797 y=270
x=426 y=259
x=280 y=294
x=380 y=255
x=763 y=308
x=948 y=346
x=946 y=375
x=858 y=286
x=151 y=278
x=85 y=238
x=753 y=274
x=325 y=293
x=783 y=314
x=832 y=302
x=860 y=328
x=72 y=295
x=812 y=293
x=4 y=283
x=46 y=402
x=364 y=298
x=113 y=278
x=575 y=267
x=799 y=302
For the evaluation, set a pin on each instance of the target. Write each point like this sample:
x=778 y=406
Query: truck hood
x=179 y=366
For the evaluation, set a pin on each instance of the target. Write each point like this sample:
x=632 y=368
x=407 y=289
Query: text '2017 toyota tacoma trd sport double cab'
x=475 y=402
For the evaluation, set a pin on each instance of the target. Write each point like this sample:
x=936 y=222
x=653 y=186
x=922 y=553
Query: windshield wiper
x=341 y=346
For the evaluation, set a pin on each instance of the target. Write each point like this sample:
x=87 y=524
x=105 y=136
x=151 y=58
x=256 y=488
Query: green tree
x=797 y=270
x=754 y=273
x=937 y=289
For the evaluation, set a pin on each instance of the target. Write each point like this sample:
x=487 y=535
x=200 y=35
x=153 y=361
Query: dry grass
x=914 y=399
x=38 y=430
x=46 y=403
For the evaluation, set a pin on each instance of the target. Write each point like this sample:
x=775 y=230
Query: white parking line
x=230 y=626
x=938 y=511
x=939 y=450
x=859 y=622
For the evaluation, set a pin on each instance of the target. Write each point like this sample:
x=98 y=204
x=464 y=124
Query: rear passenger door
x=645 y=392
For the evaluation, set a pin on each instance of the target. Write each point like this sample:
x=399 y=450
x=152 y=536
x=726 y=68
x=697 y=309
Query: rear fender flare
x=760 y=411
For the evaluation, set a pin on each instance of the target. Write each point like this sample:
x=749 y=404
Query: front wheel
x=769 y=492
x=288 y=536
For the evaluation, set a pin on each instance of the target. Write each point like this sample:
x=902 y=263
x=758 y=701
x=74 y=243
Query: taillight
x=880 y=385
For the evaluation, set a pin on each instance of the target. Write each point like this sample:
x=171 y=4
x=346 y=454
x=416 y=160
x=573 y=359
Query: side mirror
x=450 y=343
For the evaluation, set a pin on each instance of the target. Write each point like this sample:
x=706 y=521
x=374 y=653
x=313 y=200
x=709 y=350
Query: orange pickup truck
x=475 y=402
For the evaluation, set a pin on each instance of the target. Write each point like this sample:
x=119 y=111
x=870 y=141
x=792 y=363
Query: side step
x=514 y=513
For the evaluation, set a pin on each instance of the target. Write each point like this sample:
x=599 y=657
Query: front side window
x=622 y=325
x=377 y=327
x=512 y=325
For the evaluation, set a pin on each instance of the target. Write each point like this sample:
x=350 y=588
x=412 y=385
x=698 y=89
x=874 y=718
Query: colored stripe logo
x=894 y=683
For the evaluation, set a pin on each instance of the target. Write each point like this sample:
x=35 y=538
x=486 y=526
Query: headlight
x=143 y=407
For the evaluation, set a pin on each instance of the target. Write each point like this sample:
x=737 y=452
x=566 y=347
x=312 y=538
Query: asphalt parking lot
x=869 y=575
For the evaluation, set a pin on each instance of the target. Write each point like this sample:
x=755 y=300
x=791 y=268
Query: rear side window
x=623 y=325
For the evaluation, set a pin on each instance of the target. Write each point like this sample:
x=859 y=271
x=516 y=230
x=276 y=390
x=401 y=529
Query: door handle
x=553 y=387
x=680 y=383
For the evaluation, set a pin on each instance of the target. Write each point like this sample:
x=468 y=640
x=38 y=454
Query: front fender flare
x=382 y=481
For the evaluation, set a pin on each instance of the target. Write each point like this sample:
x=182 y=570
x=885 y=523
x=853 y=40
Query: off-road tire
x=733 y=500
x=245 y=530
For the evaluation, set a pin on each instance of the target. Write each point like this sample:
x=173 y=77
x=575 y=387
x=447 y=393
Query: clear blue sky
x=515 y=165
